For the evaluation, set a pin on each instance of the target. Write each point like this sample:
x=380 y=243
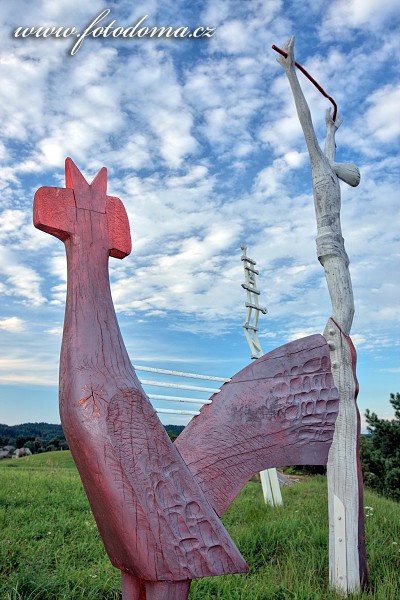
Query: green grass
x=50 y=548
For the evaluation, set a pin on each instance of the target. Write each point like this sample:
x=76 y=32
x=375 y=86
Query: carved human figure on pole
x=348 y=568
x=325 y=174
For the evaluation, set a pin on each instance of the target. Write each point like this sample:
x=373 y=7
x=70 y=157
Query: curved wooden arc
x=280 y=410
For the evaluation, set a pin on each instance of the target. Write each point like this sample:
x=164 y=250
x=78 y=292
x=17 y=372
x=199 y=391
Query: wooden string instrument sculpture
x=157 y=504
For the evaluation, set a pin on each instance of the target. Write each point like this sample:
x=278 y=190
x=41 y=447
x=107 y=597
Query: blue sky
x=202 y=144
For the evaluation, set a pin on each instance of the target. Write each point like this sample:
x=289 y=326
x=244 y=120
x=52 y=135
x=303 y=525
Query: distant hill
x=174 y=429
x=48 y=431
x=44 y=431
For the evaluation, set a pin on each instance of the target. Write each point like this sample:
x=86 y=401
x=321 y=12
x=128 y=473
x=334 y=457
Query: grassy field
x=50 y=549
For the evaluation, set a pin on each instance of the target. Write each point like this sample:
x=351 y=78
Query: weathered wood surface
x=280 y=410
x=347 y=558
x=326 y=190
x=154 y=519
x=348 y=564
x=269 y=477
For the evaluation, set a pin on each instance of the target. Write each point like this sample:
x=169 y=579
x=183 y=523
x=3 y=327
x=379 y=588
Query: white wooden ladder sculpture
x=269 y=477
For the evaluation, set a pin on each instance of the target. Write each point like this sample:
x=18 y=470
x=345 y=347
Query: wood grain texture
x=327 y=199
x=348 y=571
x=345 y=477
x=137 y=589
x=155 y=503
x=280 y=410
x=154 y=519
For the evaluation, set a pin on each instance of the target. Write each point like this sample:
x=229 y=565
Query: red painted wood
x=362 y=556
x=280 y=410
x=137 y=589
x=313 y=81
x=154 y=519
x=153 y=501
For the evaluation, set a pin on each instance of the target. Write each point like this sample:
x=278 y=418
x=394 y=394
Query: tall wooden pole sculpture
x=156 y=504
x=348 y=569
x=269 y=477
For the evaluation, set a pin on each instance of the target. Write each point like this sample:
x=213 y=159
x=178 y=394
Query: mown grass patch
x=50 y=548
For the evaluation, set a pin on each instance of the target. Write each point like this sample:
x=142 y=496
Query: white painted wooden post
x=269 y=477
x=347 y=564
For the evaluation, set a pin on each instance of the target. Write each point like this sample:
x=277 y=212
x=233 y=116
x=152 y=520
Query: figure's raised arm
x=331 y=128
x=347 y=172
x=288 y=64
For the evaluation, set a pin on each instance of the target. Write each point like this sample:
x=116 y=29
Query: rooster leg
x=167 y=590
x=134 y=588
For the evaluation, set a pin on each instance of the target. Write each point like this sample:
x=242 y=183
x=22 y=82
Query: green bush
x=380 y=452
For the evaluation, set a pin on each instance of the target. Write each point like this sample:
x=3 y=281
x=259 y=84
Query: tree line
x=38 y=437
x=380 y=452
x=44 y=437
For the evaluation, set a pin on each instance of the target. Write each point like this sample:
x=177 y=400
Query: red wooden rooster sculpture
x=156 y=503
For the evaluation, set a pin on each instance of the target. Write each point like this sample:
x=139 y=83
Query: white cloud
x=295 y=159
x=233 y=36
x=55 y=331
x=204 y=148
x=173 y=132
x=355 y=14
x=301 y=333
x=383 y=116
x=20 y=280
x=283 y=134
x=12 y=324
x=17 y=232
x=195 y=278
x=134 y=153
x=24 y=369
x=11 y=222
x=358 y=339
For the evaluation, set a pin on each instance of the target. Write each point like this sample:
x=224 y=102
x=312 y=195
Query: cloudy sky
x=202 y=144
